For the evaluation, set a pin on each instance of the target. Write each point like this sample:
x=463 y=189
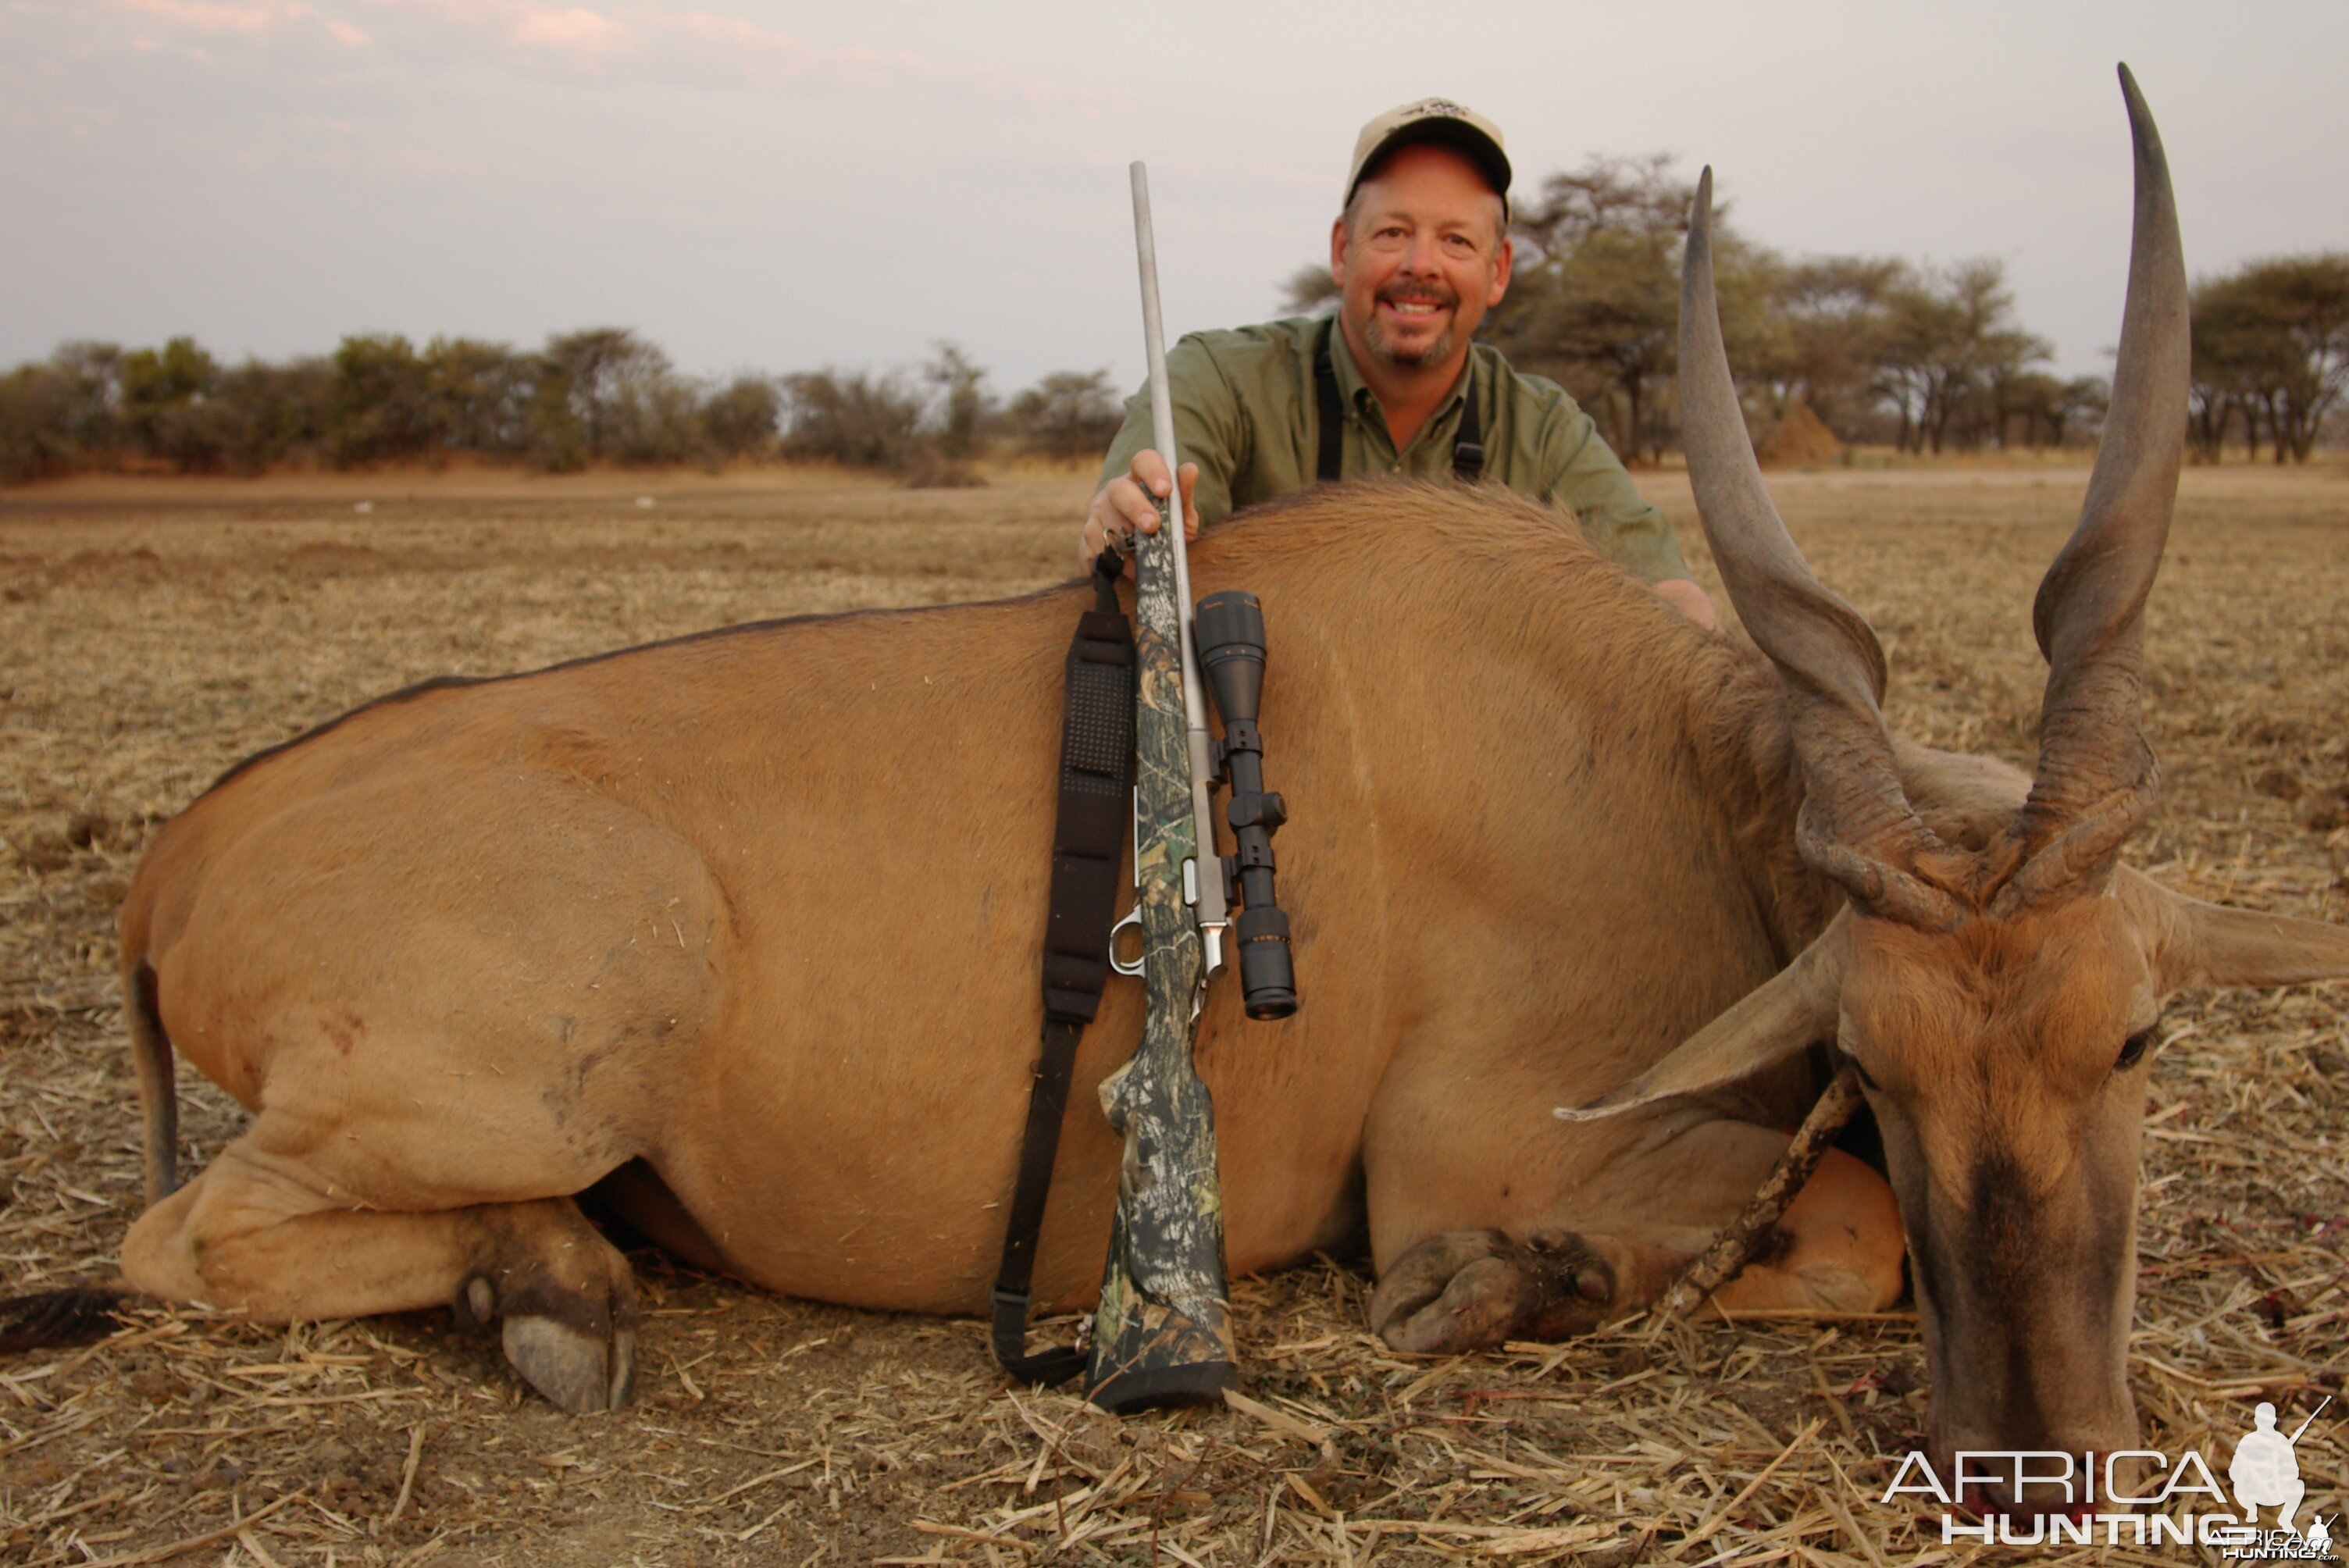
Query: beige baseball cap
x=1436 y=120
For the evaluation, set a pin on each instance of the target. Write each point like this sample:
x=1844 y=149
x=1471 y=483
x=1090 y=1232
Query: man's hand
x=1122 y=506
x=1687 y=598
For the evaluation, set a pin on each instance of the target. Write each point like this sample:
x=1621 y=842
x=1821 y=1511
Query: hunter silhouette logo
x=2266 y=1473
x=2265 y=1470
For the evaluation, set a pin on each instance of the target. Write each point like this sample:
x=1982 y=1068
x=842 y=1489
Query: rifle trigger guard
x=1133 y=919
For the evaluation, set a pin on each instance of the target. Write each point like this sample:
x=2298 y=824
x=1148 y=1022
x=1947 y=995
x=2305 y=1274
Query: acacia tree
x=1834 y=318
x=1595 y=300
x=590 y=385
x=2271 y=344
x=1950 y=348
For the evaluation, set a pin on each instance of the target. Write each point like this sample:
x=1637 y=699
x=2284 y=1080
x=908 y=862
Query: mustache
x=1418 y=293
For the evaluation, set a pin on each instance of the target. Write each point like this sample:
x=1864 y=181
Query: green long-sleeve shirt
x=1244 y=411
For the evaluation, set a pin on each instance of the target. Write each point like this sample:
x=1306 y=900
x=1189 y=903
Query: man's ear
x=1501 y=274
x=1338 y=251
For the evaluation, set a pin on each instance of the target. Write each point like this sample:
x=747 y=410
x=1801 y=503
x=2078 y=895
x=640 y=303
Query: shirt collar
x=1356 y=392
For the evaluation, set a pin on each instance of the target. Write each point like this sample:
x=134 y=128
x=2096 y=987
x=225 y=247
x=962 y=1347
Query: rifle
x=1161 y=1334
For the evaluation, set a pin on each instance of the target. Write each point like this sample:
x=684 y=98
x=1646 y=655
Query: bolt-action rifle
x=1160 y=1332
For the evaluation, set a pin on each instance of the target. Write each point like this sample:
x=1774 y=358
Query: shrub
x=857 y=418
x=742 y=419
x=1069 y=414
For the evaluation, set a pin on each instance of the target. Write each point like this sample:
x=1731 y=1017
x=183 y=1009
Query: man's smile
x=1412 y=309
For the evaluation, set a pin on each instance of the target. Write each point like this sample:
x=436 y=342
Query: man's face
x=1419 y=258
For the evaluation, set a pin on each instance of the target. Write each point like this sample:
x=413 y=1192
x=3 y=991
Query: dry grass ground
x=151 y=633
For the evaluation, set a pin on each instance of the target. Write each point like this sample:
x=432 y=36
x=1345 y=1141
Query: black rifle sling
x=1467 y=450
x=1088 y=847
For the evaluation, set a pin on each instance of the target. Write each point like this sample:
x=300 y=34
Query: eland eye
x=2132 y=1050
x=1866 y=1079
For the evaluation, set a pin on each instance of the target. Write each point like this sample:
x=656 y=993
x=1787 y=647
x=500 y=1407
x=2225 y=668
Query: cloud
x=707 y=46
x=638 y=41
x=759 y=53
x=587 y=36
x=228 y=18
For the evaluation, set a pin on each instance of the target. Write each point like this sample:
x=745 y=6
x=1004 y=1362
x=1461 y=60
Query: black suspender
x=1467 y=451
x=1329 y=414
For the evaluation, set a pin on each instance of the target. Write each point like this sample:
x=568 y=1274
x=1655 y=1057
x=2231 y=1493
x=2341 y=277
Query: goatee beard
x=1375 y=338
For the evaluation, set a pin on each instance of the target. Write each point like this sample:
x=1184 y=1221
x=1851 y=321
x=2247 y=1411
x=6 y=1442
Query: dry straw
x=147 y=640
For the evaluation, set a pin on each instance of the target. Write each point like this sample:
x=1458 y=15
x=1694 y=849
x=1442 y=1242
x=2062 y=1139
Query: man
x=1420 y=253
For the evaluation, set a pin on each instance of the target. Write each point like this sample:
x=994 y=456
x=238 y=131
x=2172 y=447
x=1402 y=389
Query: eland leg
x=1837 y=1249
x=258 y=1232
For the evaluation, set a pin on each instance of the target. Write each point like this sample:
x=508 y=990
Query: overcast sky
x=784 y=186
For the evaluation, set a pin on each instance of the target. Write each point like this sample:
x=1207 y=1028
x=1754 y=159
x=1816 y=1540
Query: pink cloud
x=249 y=19
x=645 y=40
x=200 y=17
x=588 y=36
x=703 y=45
x=748 y=48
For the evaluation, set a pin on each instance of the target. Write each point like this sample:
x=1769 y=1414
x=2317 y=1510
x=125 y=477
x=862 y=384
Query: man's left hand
x=1690 y=600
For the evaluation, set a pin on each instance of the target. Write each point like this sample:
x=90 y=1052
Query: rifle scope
x=1229 y=634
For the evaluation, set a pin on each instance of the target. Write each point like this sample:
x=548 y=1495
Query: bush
x=478 y=397
x=856 y=418
x=1069 y=414
x=35 y=425
x=743 y=418
x=964 y=404
x=382 y=402
x=260 y=414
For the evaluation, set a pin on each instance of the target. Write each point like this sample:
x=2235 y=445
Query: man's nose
x=1421 y=258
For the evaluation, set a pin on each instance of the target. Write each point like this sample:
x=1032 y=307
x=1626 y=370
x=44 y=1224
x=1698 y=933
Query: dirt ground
x=152 y=632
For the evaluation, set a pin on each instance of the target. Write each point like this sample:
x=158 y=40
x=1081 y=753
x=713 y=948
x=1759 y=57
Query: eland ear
x=2198 y=943
x=1787 y=1013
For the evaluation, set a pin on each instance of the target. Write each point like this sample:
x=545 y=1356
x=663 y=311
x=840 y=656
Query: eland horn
x=1856 y=825
x=2096 y=783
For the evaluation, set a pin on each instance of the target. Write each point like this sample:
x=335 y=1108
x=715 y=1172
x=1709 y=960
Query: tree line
x=1879 y=351
x=1831 y=352
x=600 y=395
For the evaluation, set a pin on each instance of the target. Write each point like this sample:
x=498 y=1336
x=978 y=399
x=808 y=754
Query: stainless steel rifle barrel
x=1203 y=878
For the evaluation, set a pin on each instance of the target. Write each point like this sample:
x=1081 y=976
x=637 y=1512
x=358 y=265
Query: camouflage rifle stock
x=1161 y=1334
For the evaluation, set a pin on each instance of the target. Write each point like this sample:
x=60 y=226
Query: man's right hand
x=1124 y=507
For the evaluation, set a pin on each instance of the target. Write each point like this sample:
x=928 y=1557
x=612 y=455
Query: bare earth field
x=152 y=632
